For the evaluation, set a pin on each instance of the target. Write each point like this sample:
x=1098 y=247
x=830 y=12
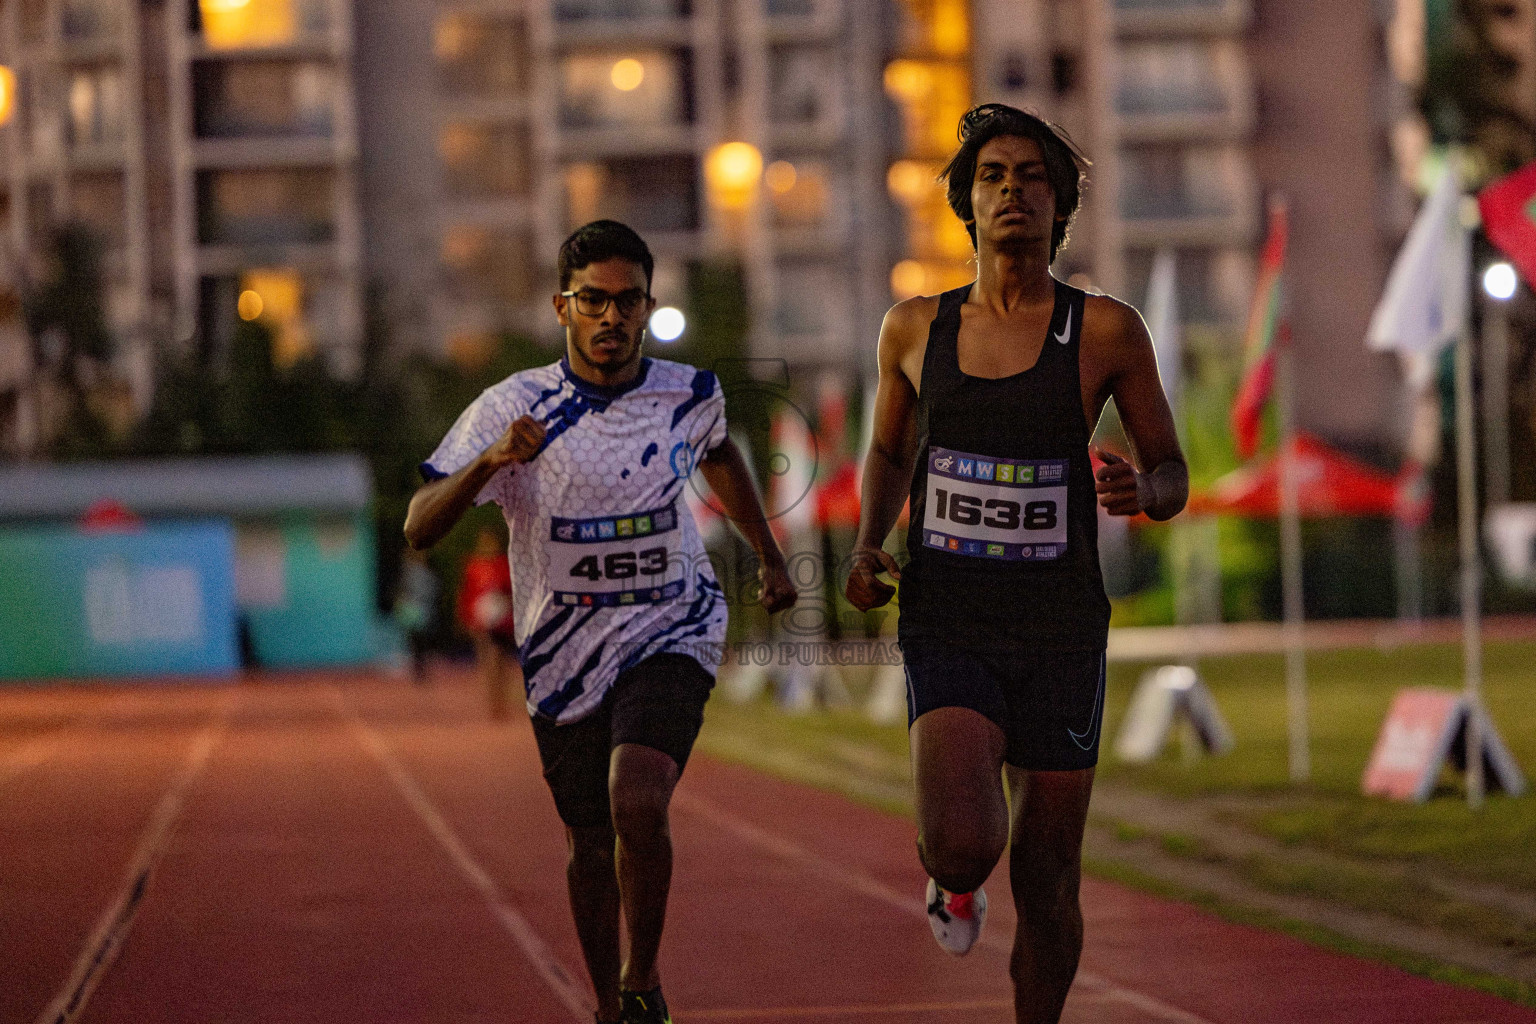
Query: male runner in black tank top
x=987 y=400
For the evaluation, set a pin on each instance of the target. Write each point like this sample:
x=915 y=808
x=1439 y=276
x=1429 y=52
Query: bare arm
x=887 y=465
x=726 y=473
x=437 y=506
x=1157 y=481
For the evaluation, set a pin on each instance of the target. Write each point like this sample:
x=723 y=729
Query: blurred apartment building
x=209 y=145
x=747 y=134
x=314 y=162
x=1192 y=112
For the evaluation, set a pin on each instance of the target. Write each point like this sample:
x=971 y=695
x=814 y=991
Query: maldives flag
x=1265 y=323
x=1508 y=207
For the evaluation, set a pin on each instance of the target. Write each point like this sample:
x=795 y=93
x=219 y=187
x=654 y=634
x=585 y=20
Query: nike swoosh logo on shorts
x=1066 y=332
x=1081 y=739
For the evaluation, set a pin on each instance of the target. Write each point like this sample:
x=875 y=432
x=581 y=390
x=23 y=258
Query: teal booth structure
x=282 y=545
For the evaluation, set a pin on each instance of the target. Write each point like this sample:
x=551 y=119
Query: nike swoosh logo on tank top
x=1066 y=332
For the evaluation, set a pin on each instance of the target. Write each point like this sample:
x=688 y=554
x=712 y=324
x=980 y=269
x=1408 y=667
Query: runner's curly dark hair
x=1065 y=165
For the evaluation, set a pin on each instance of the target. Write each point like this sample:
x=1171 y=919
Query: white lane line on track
x=866 y=885
x=112 y=928
x=565 y=987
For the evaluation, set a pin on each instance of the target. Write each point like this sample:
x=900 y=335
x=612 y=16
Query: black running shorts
x=658 y=703
x=1049 y=704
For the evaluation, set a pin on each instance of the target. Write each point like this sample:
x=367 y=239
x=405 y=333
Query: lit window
x=600 y=90
x=234 y=24
x=95 y=106
x=7 y=93
x=942 y=27
x=732 y=171
x=932 y=96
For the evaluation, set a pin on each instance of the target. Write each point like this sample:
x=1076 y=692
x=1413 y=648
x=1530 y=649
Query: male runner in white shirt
x=620 y=621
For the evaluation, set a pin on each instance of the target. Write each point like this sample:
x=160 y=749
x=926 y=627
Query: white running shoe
x=956 y=918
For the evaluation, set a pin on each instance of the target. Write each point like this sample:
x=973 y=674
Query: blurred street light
x=627 y=74
x=1499 y=281
x=667 y=324
x=249 y=305
x=7 y=93
x=781 y=176
x=732 y=171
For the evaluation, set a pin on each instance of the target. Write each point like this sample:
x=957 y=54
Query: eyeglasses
x=592 y=302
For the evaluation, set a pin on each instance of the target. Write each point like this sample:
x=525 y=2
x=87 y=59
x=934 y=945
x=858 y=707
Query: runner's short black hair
x=603 y=240
x=1065 y=165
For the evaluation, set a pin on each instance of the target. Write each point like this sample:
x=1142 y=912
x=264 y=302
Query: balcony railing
x=1184 y=89
x=1207 y=196
x=619 y=10
x=1182 y=17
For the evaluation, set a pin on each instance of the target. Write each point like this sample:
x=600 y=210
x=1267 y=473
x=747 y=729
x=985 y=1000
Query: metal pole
x=1495 y=358
x=1471 y=567
x=1290 y=565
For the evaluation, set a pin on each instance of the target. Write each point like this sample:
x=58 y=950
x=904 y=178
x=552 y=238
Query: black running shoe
x=645 y=1007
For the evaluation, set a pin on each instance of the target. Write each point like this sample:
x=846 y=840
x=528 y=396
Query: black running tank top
x=1003 y=541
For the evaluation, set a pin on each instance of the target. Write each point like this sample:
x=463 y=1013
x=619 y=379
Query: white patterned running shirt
x=607 y=564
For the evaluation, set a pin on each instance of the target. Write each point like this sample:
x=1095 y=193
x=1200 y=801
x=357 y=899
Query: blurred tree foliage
x=67 y=325
x=393 y=412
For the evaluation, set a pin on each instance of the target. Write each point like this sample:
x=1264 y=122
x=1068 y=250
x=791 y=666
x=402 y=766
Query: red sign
x=1413 y=744
x=1508 y=207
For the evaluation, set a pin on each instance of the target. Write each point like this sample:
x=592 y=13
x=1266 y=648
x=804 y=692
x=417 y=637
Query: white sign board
x=1163 y=696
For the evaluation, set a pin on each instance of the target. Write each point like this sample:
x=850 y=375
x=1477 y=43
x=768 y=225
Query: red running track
x=352 y=849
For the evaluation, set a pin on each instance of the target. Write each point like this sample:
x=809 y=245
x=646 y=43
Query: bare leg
x=640 y=784
x=1050 y=810
x=962 y=815
x=594 y=888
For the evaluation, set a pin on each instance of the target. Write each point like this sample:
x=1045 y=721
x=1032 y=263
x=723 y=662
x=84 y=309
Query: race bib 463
x=617 y=560
x=1010 y=509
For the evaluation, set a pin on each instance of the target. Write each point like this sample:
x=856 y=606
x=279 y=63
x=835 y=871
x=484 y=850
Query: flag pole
x=1471 y=567
x=1294 y=612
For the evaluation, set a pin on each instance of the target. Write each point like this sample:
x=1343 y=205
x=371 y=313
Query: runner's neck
x=1007 y=280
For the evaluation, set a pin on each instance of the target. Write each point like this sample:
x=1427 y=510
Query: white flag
x=1425 y=304
x=1162 y=311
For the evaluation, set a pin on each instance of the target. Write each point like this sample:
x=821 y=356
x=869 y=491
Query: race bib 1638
x=996 y=508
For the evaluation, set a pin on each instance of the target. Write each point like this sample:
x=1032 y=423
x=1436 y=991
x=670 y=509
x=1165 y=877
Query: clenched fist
x=520 y=443
x=1122 y=491
x=865 y=590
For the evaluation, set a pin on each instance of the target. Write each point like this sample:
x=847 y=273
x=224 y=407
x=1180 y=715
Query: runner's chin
x=610 y=350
